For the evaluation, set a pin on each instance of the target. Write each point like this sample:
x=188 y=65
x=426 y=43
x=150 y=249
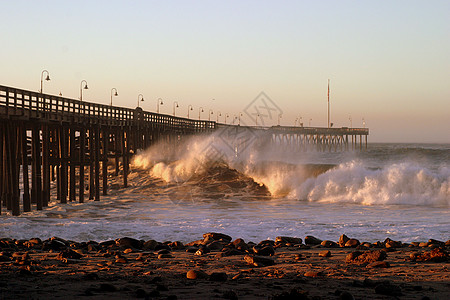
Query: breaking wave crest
x=291 y=176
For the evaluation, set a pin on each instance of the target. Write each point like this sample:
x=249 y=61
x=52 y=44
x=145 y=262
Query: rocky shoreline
x=219 y=267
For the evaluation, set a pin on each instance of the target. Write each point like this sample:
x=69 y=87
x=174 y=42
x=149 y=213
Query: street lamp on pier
x=350 y=118
x=279 y=117
x=159 y=102
x=310 y=122
x=364 y=123
x=174 y=107
x=239 y=118
x=81 y=88
x=226 y=117
x=42 y=79
x=200 y=110
x=211 y=112
x=142 y=100
x=219 y=114
x=256 y=121
x=189 y=108
x=115 y=94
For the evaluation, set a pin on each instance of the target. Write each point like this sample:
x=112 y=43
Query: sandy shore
x=217 y=267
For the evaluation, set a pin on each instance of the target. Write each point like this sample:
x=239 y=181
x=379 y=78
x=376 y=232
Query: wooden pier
x=46 y=138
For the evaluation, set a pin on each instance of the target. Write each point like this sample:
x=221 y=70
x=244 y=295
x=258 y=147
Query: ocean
x=400 y=191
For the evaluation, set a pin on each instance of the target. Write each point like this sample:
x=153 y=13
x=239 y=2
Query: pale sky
x=388 y=61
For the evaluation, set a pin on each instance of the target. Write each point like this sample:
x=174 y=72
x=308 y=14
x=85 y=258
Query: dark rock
x=352 y=243
x=388 y=289
x=4 y=258
x=150 y=245
x=366 y=257
x=311 y=240
x=436 y=242
x=176 y=245
x=229 y=252
x=388 y=243
x=325 y=253
x=265 y=243
x=215 y=245
x=217 y=236
x=192 y=249
x=342 y=240
x=165 y=255
x=162 y=246
x=259 y=261
x=107 y=243
x=264 y=251
x=288 y=240
x=162 y=287
x=435 y=255
x=127 y=242
x=218 y=276
x=162 y=251
x=328 y=244
x=196 y=274
x=240 y=244
x=70 y=254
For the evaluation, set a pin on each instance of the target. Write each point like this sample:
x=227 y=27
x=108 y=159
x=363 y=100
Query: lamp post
x=174 y=107
x=211 y=112
x=189 y=108
x=239 y=118
x=81 y=88
x=310 y=122
x=219 y=114
x=364 y=123
x=226 y=117
x=279 y=117
x=42 y=79
x=142 y=100
x=200 y=110
x=300 y=123
x=159 y=102
x=295 y=122
x=115 y=94
x=350 y=118
x=256 y=121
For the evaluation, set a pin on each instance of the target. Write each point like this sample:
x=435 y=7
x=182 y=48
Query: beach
x=218 y=267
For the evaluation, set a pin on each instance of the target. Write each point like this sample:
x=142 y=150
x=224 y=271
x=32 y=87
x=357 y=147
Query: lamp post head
x=48 y=78
x=115 y=94
x=85 y=86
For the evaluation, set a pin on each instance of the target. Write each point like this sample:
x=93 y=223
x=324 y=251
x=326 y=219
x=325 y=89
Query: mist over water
x=254 y=190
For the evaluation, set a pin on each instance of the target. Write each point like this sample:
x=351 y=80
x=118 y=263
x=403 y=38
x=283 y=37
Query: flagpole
x=328 y=103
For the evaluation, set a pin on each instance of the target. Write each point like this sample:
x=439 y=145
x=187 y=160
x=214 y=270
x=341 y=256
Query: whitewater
x=259 y=191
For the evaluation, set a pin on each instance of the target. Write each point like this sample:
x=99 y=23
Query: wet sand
x=127 y=268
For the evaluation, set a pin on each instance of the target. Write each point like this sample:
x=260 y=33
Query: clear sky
x=388 y=61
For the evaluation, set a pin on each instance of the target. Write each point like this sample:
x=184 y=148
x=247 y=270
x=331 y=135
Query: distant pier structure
x=47 y=139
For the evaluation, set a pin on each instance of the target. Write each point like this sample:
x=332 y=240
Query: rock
x=264 y=251
x=69 y=253
x=150 y=245
x=216 y=246
x=310 y=240
x=366 y=257
x=259 y=261
x=436 y=242
x=196 y=274
x=328 y=244
x=218 y=276
x=388 y=243
x=447 y=243
x=202 y=250
x=240 y=245
x=128 y=242
x=141 y=293
x=4 y=258
x=352 y=243
x=265 y=243
x=325 y=253
x=388 y=289
x=191 y=249
x=378 y=264
x=194 y=243
x=313 y=274
x=229 y=252
x=288 y=240
x=162 y=246
x=176 y=245
x=128 y=250
x=435 y=255
x=293 y=294
x=162 y=251
x=342 y=240
x=217 y=236
x=423 y=245
x=164 y=255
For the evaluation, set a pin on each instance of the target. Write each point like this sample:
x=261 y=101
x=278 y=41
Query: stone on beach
x=288 y=240
x=128 y=242
x=196 y=274
x=311 y=240
x=366 y=257
x=259 y=261
x=217 y=236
